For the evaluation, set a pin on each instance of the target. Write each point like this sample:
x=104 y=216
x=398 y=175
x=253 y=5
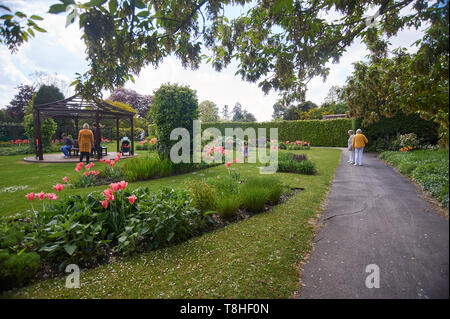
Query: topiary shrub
x=174 y=106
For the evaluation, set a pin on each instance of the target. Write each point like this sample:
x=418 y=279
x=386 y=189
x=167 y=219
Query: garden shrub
x=16 y=270
x=254 y=198
x=203 y=195
x=295 y=163
x=388 y=130
x=227 y=207
x=173 y=107
x=316 y=132
x=48 y=129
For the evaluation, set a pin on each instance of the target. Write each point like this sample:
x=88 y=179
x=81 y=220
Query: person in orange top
x=358 y=144
x=85 y=142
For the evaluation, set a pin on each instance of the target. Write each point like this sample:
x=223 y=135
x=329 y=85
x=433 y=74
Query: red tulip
x=132 y=199
x=30 y=196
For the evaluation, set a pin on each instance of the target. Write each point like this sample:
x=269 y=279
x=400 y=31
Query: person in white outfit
x=351 y=151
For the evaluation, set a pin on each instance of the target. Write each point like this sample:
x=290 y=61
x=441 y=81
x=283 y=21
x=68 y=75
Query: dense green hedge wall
x=317 y=132
x=383 y=131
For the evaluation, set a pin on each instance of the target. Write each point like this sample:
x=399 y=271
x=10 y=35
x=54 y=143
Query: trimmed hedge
x=387 y=128
x=316 y=132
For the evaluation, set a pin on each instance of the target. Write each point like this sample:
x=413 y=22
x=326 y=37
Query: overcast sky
x=61 y=51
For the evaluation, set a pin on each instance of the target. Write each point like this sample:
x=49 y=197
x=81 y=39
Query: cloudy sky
x=61 y=51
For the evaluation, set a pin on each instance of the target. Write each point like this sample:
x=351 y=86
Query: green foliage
x=227 y=207
x=152 y=130
x=48 y=129
x=146 y=167
x=203 y=195
x=292 y=163
x=79 y=229
x=13 y=31
x=318 y=133
x=17 y=270
x=173 y=107
x=208 y=111
x=381 y=134
x=429 y=168
x=47 y=94
x=254 y=199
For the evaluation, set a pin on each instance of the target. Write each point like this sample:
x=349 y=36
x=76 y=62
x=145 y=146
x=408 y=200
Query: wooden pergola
x=76 y=108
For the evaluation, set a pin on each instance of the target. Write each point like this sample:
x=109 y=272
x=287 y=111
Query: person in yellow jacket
x=358 y=144
x=85 y=142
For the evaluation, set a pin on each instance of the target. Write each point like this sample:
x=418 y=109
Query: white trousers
x=359 y=155
x=351 y=156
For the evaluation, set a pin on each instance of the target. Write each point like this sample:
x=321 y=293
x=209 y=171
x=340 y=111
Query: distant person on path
x=97 y=140
x=358 y=144
x=244 y=150
x=85 y=142
x=351 y=150
x=68 y=144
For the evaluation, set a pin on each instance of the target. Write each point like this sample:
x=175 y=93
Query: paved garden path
x=375 y=216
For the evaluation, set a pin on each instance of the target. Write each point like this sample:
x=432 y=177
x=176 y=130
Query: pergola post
x=117 y=134
x=76 y=128
x=37 y=135
x=132 y=136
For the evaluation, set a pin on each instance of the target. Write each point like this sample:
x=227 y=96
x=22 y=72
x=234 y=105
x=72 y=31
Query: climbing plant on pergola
x=76 y=108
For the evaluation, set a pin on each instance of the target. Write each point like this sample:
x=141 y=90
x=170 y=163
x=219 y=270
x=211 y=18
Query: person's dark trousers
x=83 y=154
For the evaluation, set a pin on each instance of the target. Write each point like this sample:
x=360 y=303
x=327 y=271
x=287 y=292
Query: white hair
x=358 y=131
x=86 y=126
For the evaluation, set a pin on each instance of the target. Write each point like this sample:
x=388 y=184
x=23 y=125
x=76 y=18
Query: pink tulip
x=132 y=199
x=58 y=187
x=228 y=164
x=30 y=196
x=104 y=203
x=102 y=160
x=65 y=179
x=40 y=195
x=123 y=184
x=235 y=160
x=115 y=187
x=108 y=194
x=86 y=173
x=218 y=177
x=51 y=196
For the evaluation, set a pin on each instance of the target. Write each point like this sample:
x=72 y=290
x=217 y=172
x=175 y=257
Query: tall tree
x=140 y=103
x=208 y=111
x=237 y=112
x=225 y=112
x=248 y=117
x=16 y=108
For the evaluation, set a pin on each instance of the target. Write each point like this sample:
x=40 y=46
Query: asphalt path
x=376 y=222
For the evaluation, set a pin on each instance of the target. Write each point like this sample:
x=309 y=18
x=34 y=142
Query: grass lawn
x=254 y=258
